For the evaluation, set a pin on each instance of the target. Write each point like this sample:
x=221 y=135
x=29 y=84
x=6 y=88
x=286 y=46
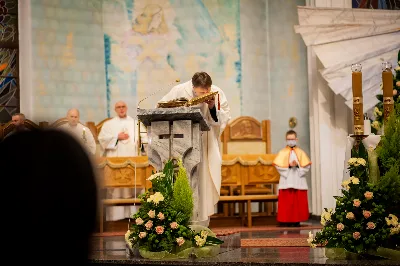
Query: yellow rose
x=355 y=181
x=345 y=184
x=392 y=220
x=352 y=161
x=361 y=161
x=376 y=125
x=350 y=216
x=395 y=230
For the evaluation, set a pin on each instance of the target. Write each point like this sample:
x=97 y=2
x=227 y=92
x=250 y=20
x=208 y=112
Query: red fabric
x=292 y=206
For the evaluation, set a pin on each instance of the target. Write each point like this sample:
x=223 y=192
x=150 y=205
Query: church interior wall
x=88 y=54
x=266 y=68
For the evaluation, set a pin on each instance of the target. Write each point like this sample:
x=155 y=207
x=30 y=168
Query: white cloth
x=81 y=133
x=111 y=147
x=369 y=142
x=210 y=166
x=294 y=177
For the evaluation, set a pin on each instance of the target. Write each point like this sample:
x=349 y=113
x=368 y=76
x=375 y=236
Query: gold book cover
x=180 y=102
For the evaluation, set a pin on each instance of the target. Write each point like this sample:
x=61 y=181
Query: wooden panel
x=262 y=174
x=245 y=127
x=120 y=171
x=124 y=177
x=246 y=147
x=230 y=175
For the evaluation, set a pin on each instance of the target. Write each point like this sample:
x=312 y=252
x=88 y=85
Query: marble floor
x=257 y=247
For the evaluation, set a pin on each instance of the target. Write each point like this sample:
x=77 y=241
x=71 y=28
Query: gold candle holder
x=387 y=80
x=358 y=114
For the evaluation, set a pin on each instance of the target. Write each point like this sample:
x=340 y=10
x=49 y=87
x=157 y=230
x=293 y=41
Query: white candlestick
x=367 y=127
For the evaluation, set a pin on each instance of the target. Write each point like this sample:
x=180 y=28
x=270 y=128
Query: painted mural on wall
x=377 y=4
x=151 y=43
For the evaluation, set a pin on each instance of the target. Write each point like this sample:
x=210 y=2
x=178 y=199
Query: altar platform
x=259 y=246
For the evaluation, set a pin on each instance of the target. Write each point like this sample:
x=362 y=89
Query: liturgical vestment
x=292 y=198
x=210 y=166
x=112 y=147
x=82 y=134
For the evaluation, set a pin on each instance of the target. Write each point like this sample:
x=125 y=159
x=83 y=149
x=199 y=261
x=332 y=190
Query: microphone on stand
x=140 y=144
x=157 y=91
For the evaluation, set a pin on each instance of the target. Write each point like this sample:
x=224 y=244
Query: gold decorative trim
x=357 y=112
x=388 y=100
x=358 y=130
x=122 y=165
x=292 y=122
x=357 y=100
x=237 y=159
x=247 y=163
x=180 y=102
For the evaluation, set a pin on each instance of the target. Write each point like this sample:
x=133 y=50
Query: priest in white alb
x=119 y=137
x=217 y=114
x=79 y=131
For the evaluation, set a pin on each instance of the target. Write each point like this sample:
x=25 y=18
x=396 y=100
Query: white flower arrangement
x=156 y=198
x=200 y=241
x=156 y=175
x=310 y=240
x=127 y=234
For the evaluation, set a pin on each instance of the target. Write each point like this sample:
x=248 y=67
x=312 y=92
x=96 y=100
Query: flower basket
x=185 y=251
x=161 y=229
x=335 y=253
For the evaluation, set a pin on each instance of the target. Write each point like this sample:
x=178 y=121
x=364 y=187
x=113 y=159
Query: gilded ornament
x=292 y=122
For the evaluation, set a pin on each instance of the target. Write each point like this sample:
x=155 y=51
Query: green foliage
x=164 y=185
x=358 y=223
x=182 y=193
x=389 y=148
x=163 y=218
x=389 y=156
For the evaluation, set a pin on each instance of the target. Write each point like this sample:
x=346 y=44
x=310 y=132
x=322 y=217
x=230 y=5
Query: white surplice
x=294 y=177
x=112 y=147
x=210 y=166
x=81 y=133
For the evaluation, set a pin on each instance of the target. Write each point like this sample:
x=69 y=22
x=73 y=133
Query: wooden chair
x=119 y=172
x=245 y=136
x=9 y=127
x=250 y=170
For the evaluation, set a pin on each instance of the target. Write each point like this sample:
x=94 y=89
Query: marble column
x=328 y=128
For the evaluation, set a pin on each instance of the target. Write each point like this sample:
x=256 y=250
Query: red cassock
x=292 y=206
x=292 y=199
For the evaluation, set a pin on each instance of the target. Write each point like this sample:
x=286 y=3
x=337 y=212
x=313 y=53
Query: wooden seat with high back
x=9 y=127
x=247 y=142
x=120 y=172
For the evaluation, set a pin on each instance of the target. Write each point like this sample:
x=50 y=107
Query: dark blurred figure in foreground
x=49 y=198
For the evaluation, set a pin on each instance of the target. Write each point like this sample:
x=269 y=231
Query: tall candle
x=358 y=114
x=367 y=125
x=387 y=80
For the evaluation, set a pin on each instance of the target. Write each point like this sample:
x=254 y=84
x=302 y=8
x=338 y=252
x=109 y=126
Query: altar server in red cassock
x=292 y=164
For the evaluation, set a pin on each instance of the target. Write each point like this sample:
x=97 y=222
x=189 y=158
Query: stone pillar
x=176 y=134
